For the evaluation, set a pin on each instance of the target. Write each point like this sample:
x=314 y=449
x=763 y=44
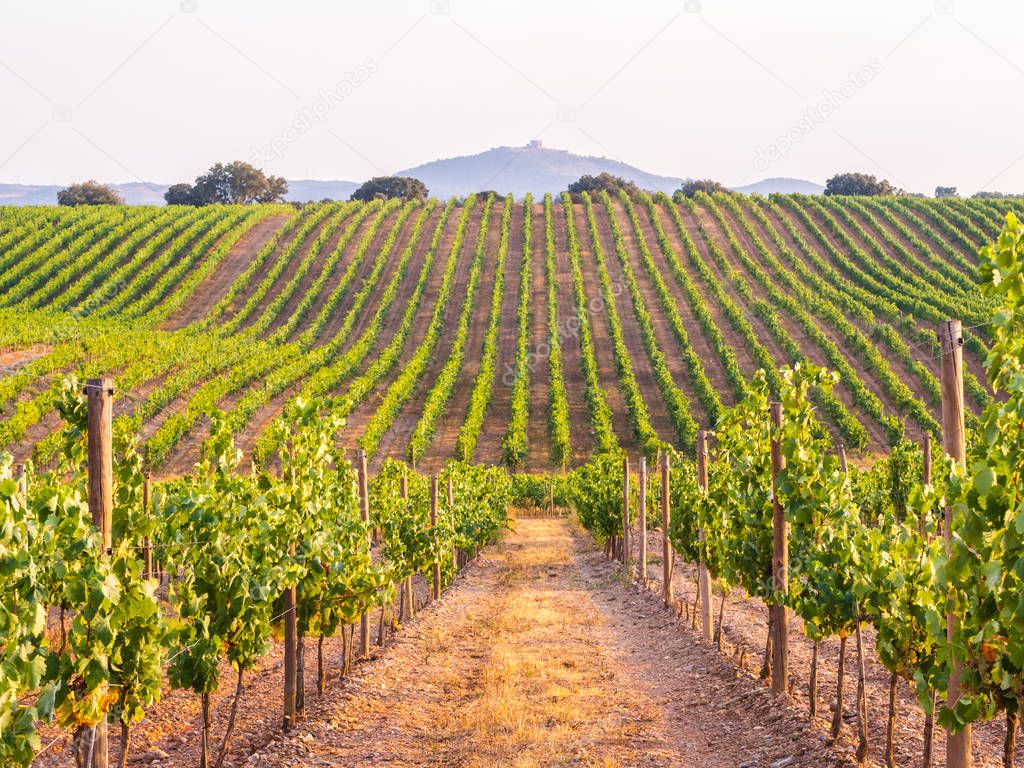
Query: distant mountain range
x=134 y=193
x=141 y=193
x=533 y=168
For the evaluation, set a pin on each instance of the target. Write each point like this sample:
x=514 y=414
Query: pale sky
x=922 y=92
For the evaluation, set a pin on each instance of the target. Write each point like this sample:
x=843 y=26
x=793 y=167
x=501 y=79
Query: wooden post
x=101 y=461
x=926 y=453
x=291 y=656
x=666 y=544
x=364 y=513
x=625 y=512
x=958 y=745
x=436 y=592
x=22 y=478
x=100 y=403
x=407 y=586
x=703 y=577
x=551 y=497
x=929 y=718
x=455 y=550
x=862 y=712
x=780 y=564
x=147 y=549
x=642 y=514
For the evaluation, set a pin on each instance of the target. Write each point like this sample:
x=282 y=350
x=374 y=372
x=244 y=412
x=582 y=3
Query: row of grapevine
x=872 y=297
x=849 y=428
x=676 y=401
x=235 y=545
x=600 y=413
x=80 y=233
x=444 y=384
x=331 y=376
x=639 y=416
x=697 y=303
x=866 y=546
x=297 y=360
x=483 y=385
x=706 y=393
x=402 y=387
x=514 y=446
x=89 y=285
x=124 y=238
x=748 y=263
x=558 y=400
x=829 y=300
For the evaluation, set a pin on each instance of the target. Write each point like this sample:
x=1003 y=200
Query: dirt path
x=538 y=657
x=216 y=286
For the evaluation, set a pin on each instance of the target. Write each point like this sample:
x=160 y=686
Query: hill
x=784 y=186
x=532 y=168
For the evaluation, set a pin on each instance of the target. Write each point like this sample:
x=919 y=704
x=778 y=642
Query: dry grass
x=546 y=695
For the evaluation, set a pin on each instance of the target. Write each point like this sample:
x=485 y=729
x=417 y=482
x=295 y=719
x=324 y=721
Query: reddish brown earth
x=807 y=346
x=396 y=440
x=544 y=653
x=499 y=411
x=600 y=335
x=642 y=367
x=169 y=735
x=581 y=435
x=15 y=358
x=444 y=442
x=357 y=420
x=216 y=286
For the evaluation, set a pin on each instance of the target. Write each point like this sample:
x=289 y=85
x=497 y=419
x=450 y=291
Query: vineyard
x=232 y=430
x=531 y=335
